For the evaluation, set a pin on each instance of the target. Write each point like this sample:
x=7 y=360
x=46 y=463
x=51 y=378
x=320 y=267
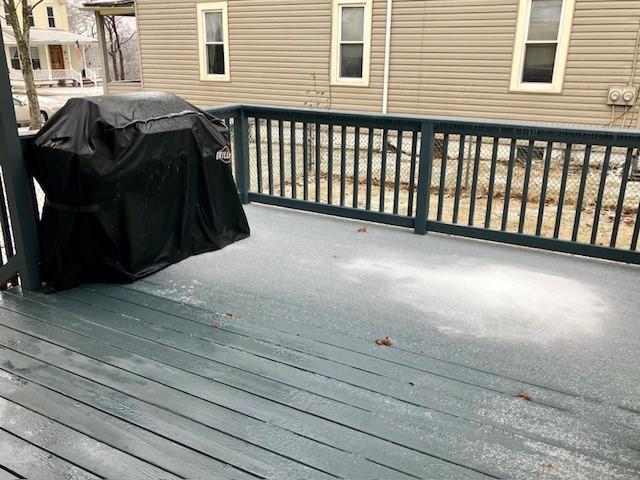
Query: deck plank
x=237 y=453
x=527 y=452
x=392 y=362
x=111 y=430
x=140 y=388
x=34 y=463
x=459 y=399
x=78 y=448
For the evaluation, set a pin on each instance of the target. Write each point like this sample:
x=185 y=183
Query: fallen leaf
x=215 y=325
x=386 y=342
x=546 y=466
x=362 y=230
x=524 y=396
x=229 y=315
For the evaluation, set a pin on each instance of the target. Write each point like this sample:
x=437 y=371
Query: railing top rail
x=511 y=129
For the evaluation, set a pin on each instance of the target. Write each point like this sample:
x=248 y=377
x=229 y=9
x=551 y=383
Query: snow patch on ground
x=497 y=301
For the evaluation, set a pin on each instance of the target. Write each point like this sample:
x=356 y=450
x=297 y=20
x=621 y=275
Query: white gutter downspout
x=387 y=51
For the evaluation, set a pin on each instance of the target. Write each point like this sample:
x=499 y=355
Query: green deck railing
x=563 y=189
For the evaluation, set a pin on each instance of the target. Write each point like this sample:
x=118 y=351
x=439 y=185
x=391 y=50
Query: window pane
x=35 y=58
x=351 y=60
x=352 y=24
x=213 y=26
x=545 y=19
x=15 y=58
x=215 y=59
x=538 y=63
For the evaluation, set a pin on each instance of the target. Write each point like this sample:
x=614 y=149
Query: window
x=35 y=58
x=51 y=17
x=15 y=58
x=351 y=42
x=32 y=22
x=214 y=41
x=542 y=43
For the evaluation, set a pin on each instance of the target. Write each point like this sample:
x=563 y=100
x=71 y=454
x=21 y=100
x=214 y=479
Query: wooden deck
x=110 y=382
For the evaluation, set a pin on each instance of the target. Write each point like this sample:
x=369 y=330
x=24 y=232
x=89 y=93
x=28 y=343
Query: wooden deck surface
x=110 y=382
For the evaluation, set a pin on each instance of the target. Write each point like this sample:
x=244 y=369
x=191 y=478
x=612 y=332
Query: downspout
x=387 y=52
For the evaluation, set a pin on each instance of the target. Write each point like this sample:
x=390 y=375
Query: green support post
x=424 y=177
x=20 y=200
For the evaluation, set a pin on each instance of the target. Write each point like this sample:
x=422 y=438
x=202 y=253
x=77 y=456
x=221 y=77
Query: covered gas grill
x=133 y=183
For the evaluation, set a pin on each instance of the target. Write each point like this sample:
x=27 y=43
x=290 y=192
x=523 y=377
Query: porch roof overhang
x=111 y=7
x=42 y=36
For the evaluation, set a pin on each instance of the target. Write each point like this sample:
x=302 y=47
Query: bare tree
x=119 y=35
x=15 y=11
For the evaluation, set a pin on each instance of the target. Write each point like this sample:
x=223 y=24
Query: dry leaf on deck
x=524 y=396
x=386 y=342
x=362 y=230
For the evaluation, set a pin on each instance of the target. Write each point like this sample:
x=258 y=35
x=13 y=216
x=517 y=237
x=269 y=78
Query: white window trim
x=202 y=8
x=335 y=43
x=522 y=31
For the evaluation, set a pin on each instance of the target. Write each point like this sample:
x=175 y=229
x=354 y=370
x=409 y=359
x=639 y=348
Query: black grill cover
x=133 y=183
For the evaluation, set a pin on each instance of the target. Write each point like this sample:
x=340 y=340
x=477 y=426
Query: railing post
x=423 y=193
x=20 y=201
x=241 y=153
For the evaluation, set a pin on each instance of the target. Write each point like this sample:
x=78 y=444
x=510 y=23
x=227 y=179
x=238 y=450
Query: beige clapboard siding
x=447 y=57
x=600 y=54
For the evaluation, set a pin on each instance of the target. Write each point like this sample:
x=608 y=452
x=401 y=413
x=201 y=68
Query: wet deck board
x=105 y=375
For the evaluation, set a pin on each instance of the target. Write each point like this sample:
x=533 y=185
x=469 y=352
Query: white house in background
x=57 y=54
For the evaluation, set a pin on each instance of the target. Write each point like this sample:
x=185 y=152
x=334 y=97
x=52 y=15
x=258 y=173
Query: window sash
x=213 y=67
x=214 y=41
x=342 y=42
x=51 y=17
x=15 y=58
x=35 y=58
x=528 y=42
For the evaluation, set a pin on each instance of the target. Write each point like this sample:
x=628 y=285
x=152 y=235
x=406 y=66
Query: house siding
x=447 y=58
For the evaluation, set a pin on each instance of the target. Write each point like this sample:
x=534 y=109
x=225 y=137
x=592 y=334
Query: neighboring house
x=57 y=55
x=567 y=61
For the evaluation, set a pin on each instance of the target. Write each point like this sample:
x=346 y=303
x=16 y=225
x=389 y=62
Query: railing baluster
x=270 y=155
x=412 y=172
x=305 y=160
x=367 y=205
x=456 y=200
x=580 y=200
x=6 y=229
x=281 y=152
x=543 y=188
x=356 y=166
x=507 y=185
x=258 y=154
x=383 y=168
x=474 y=181
x=492 y=179
x=343 y=164
x=318 y=160
x=563 y=188
x=443 y=175
x=636 y=230
x=396 y=180
x=623 y=191
x=601 y=187
x=330 y=165
x=525 y=187
x=294 y=144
